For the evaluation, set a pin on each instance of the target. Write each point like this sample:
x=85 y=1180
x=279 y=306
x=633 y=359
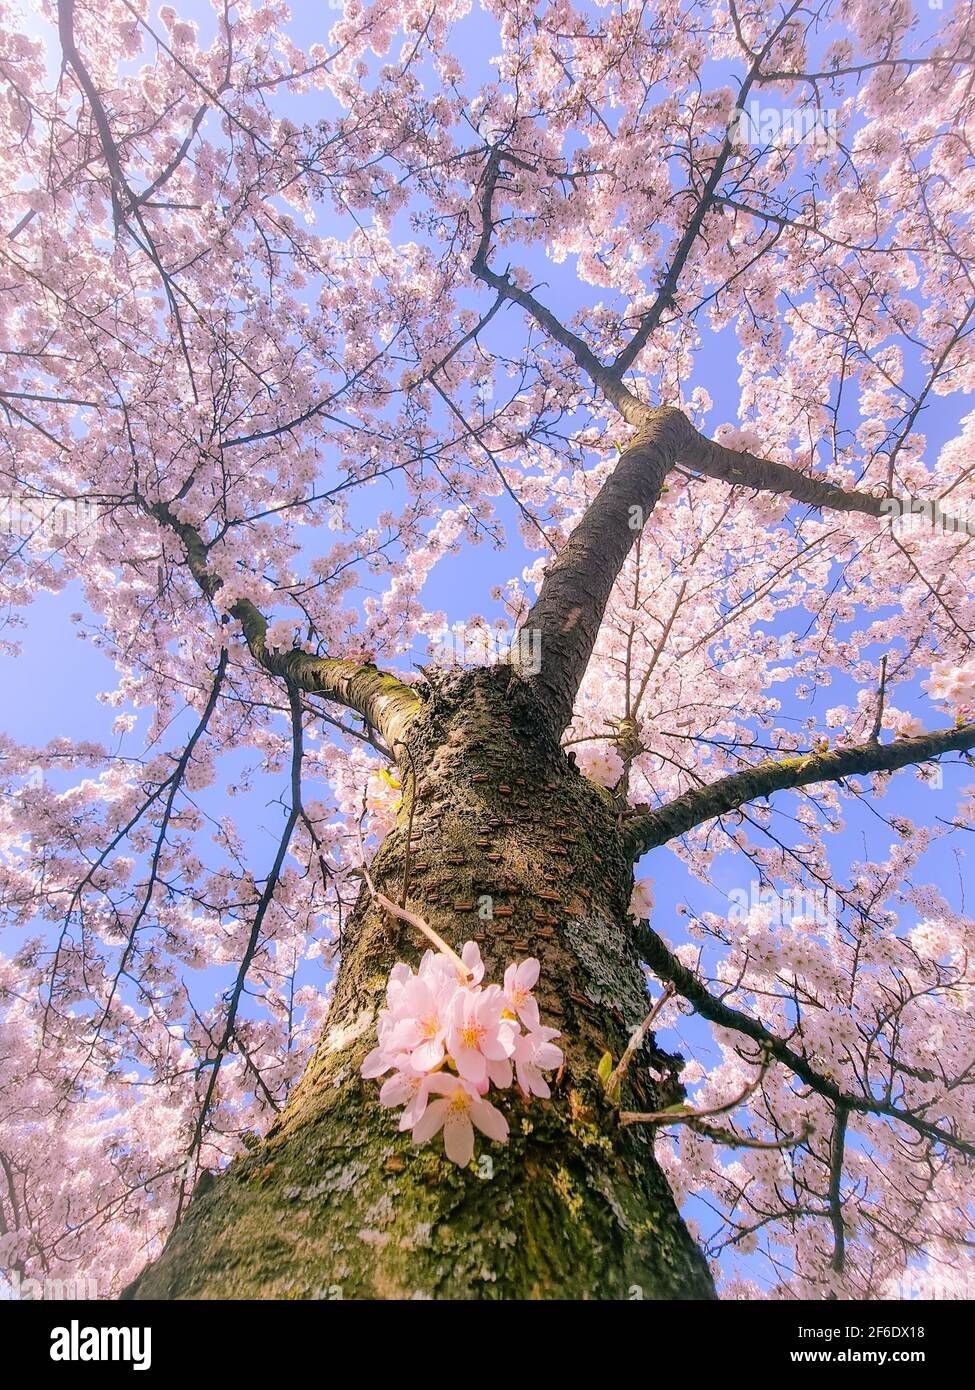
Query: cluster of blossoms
x=745 y=441
x=447 y=1039
x=954 y=686
x=601 y=765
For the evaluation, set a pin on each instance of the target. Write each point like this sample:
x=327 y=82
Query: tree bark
x=335 y=1202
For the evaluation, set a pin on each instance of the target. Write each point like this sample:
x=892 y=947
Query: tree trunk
x=335 y=1202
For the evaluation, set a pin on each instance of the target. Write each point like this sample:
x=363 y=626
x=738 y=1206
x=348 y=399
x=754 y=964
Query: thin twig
x=615 y=1080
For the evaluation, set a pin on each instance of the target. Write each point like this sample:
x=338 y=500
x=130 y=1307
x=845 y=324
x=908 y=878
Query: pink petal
x=521 y=1071
x=443 y=1083
x=430 y=1121
x=500 y=1074
x=528 y=972
x=528 y=1013
x=427 y=1055
x=471 y=956
x=496 y=1049
x=399 y=976
x=396 y=1090
x=376 y=1063
x=416 y=1107
x=471 y=1064
x=406 y=1033
x=489 y=1121
x=458 y=1140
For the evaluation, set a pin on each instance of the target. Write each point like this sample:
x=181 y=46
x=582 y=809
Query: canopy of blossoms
x=301 y=315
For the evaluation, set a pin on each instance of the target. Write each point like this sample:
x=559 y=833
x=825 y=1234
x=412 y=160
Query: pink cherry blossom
x=412 y=1028
x=535 y=1052
x=437 y=1030
x=602 y=765
x=423 y=1014
x=409 y=1089
x=642 y=898
x=519 y=981
x=478 y=1033
x=458 y=1113
x=954 y=685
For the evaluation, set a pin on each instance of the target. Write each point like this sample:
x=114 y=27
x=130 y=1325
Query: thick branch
x=99 y=115
x=578 y=582
x=647 y=828
x=569 y=609
x=668 y=968
x=703 y=455
x=837 y=1146
x=383 y=701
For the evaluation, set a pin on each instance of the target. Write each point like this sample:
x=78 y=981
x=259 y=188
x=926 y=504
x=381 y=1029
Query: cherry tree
x=334 y=967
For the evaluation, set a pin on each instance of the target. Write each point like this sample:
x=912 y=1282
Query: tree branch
x=253 y=942
x=572 y=600
x=386 y=703
x=646 y=828
x=837 y=1146
x=695 y=450
x=668 y=285
x=577 y=583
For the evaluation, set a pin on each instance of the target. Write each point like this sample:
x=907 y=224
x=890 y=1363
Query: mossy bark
x=335 y=1202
